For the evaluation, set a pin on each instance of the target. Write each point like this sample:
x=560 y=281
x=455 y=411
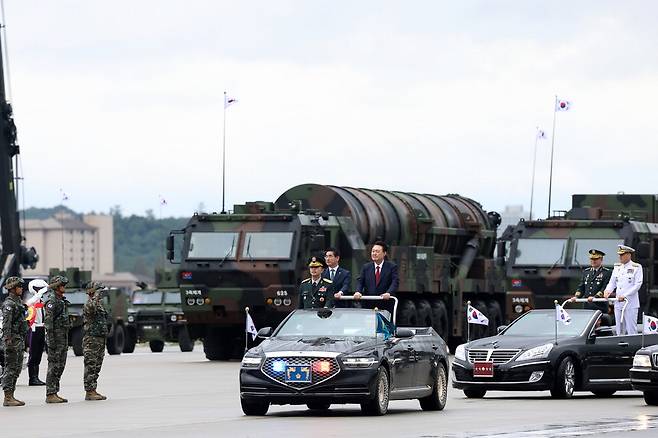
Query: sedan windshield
x=542 y=252
x=338 y=323
x=140 y=297
x=542 y=323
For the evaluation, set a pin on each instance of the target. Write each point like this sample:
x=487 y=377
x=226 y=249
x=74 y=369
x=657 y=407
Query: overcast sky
x=118 y=102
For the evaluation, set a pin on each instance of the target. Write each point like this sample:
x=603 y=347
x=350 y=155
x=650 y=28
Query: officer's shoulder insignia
x=606 y=269
x=635 y=264
x=306 y=280
x=617 y=264
x=326 y=280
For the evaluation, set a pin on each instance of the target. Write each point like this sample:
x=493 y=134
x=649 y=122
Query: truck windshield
x=338 y=323
x=140 y=297
x=78 y=297
x=172 y=297
x=212 y=245
x=543 y=252
x=267 y=245
x=608 y=246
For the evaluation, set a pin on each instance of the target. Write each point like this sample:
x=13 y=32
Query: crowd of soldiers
x=15 y=330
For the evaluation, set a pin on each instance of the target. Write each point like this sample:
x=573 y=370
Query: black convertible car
x=525 y=356
x=326 y=356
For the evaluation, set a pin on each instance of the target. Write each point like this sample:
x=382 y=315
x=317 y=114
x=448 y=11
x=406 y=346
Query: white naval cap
x=623 y=249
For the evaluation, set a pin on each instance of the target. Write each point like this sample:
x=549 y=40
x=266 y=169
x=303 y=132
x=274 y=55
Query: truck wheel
x=440 y=319
x=495 y=316
x=216 y=346
x=407 y=315
x=565 y=379
x=115 y=343
x=254 y=407
x=76 y=341
x=424 y=312
x=156 y=346
x=475 y=393
x=184 y=341
x=651 y=398
x=437 y=400
x=131 y=340
x=378 y=405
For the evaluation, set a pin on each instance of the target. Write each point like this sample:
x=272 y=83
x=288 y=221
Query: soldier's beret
x=13 y=282
x=58 y=280
x=595 y=254
x=623 y=249
x=315 y=262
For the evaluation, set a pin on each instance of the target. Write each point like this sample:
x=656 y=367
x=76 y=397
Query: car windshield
x=172 y=297
x=77 y=297
x=543 y=252
x=267 y=245
x=212 y=245
x=608 y=246
x=337 y=323
x=542 y=323
x=141 y=297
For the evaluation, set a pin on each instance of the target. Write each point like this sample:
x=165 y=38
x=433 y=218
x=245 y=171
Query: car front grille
x=316 y=376
x=654 y=358
x=498 y=356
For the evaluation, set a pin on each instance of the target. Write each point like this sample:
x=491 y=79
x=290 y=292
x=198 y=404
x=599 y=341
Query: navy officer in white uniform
x=627 y=280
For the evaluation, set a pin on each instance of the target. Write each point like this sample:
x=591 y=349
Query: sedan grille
x=498 y=356
x=654 y=356
x=274 y=368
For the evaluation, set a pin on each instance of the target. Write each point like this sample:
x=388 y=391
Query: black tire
x=440 y=319
x=495 y=315
x=318 y=406
x=131 y=341
x=424 y=314
x=475 y=393
x=651 y=398
x=184 y=341
x=407 y=315
x=437 y=400
x=76 y=341
x=216 y=346
x=379 y=403
x=604 y=393
x=255 y=407
x=115 y=343
x=565 y=379
x=156 y=346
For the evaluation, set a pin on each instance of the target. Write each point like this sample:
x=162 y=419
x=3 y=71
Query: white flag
x=251 y=328
x=650 y=325
x=562 y=315
x=474 y=316
x=563 y=105
x=228 y=101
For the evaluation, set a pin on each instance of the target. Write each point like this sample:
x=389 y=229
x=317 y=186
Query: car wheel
x=250 y=407
x=156 y=346
x=318 y=406
x=475 y=393
x=651 y=398
x=76 y=341
x=437 y=400
x=604 y=393
x=407 y=315
x=379 y=403
x=565 y=379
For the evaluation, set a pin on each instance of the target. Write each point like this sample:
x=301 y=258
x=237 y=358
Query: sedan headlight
x=251 y=362
x=540 y=352
x=642 y=361
x=460 y=352
x=359 y=362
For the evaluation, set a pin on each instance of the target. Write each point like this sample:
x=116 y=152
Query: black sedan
x=644 y=374
x=327 y=356
x=525 y=356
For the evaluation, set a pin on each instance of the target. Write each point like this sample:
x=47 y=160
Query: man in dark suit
x=340 y=277
x=379 y=277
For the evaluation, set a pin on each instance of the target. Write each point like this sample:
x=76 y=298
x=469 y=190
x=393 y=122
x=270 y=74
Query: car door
x=425 y=349
x=610 y=357
x=402 y=362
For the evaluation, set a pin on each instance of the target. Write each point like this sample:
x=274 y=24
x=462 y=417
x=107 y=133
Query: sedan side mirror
x=265 y=332
x=500 y=329
x=603 y=331
x=404 y=333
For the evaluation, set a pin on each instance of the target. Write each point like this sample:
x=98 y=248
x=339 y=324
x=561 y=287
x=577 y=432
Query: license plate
x=298 y=373
x=483 y=369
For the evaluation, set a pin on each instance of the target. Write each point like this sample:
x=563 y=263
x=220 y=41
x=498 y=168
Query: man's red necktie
x=377 y=275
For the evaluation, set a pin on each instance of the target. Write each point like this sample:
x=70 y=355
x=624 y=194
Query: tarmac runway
x=183 y=394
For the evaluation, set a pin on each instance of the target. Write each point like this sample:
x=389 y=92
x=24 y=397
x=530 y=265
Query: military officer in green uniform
x=96 y=323
x=593 y=282
x=316 y=292
x=57 y=327
x=14 y=330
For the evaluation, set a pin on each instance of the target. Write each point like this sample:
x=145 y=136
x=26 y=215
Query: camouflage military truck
x=256 y=257
x=155 y=315
x=116 y=302
x=544 y=259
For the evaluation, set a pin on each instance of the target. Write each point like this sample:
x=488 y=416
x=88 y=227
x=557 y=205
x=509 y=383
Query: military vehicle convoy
x=256 y=257
x=155 y=315
x=544 y=258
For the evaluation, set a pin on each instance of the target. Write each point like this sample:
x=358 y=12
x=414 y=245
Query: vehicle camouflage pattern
x=545 y=258
x=256 y=257
x=155 y=315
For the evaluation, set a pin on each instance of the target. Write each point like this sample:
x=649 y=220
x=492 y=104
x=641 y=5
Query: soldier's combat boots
x=11 y=401
x=93 y=395
x=54 y=398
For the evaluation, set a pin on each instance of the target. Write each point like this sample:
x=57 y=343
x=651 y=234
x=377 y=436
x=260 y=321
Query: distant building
x=65 y=241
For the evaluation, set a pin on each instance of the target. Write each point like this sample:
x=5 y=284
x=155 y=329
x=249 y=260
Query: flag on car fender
x=562 y=315
x=474 y=316
x=650 y=325
x=251 y=328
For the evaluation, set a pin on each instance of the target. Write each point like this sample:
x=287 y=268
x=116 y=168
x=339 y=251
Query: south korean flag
x=474 y=316
x=562 y=315
x=650 y=325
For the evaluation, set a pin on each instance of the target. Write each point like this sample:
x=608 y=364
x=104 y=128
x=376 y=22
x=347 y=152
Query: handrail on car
x=373 y=298
x=598 y=300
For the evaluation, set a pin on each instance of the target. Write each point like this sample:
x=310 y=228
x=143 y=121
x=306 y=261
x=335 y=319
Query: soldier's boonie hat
x=623 y=249
x=315 y=262
x=94 y=286
x=58 y=280
x=595 y=254
x=13 y=282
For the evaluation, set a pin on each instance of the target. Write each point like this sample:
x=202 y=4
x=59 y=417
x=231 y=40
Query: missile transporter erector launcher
x=256 y=257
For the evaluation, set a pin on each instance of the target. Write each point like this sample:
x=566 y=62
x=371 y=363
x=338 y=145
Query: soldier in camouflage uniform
x=316 y=292
x=57 y=326
x=96 y=322
x=14 y=330
x=594 y=280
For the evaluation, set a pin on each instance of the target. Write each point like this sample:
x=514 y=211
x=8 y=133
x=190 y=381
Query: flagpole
x=534 y=161
x=555 y=321
x=468 y=324
x=224 y=156
x=246 y=333
x=550 y=178
x=642 y=329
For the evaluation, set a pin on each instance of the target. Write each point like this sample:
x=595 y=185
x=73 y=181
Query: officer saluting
x=593 y=282
x=14 y=329
x=316 y=292
x=627 y=280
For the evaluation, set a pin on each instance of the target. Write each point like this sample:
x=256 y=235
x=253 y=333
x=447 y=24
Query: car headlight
x=131 y=318
x=642 y=361
x=359 y=362
x=540 y=352
x=173 y=318
x=251 y=362
x=460 y=352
